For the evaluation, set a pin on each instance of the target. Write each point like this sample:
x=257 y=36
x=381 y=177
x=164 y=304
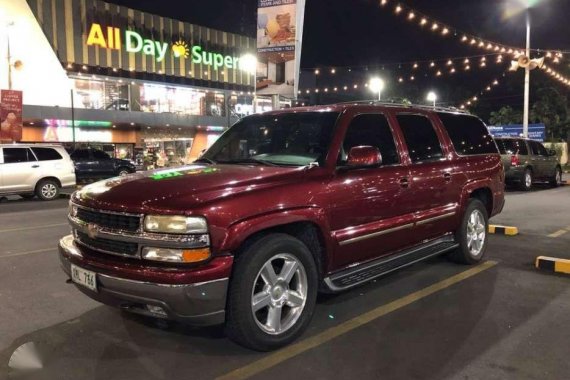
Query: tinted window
x=46 y=154
x=468 y=134
x=81 y=154
x=538 y=148
x=100 y=155
x=512 y=146
x=421 y=139
x=13 y=155
x=294 y=139
x=372 y=130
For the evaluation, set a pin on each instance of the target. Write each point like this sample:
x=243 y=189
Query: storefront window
x=181 y=100
x=96 y=94
x=167 y=153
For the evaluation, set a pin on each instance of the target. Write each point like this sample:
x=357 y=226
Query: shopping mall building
x=122 y=80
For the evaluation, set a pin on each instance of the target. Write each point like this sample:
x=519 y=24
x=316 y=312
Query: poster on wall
x=279 y=36
x=11 y=116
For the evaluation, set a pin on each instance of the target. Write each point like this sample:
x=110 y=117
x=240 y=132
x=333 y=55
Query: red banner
x=10 y=116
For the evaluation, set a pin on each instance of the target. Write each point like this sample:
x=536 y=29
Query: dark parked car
x=286 y=204
x=96 y=164
x=528 y=161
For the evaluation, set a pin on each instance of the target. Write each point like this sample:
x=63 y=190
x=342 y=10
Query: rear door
x=20 y=170
x=433 y=194
x=540 y=162
x=103 y=165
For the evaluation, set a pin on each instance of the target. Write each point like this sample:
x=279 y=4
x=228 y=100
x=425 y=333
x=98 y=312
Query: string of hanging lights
x=436 y=27
x=487 y=89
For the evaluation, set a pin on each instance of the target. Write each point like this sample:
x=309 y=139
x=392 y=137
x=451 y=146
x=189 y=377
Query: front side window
x=421 y=139
x=46 y=154
x=468 y=134
x=537 y=148
x=512 y=146
x=372 y=130
x=292 y=139
x=15 y=155
x=100 y=155
x=80 y=155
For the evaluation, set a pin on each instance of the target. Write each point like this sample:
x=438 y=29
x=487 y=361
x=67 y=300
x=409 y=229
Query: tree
x=505 y=116
x=551 y=109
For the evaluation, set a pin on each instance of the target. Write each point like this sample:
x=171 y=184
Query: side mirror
x=552 y=153
x=364 y=156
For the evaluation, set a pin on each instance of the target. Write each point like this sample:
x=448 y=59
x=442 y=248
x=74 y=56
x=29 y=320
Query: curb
x=503 y=230
x=553 y=264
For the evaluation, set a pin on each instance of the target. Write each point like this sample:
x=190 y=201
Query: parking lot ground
x=507 y=321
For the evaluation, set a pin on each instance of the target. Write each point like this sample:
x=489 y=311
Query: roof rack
x=405 y=105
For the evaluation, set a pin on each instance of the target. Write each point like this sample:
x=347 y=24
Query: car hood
x=180 y=189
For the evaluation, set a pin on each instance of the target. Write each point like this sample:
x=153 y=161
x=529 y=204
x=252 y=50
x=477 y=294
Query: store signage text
x=111 y=38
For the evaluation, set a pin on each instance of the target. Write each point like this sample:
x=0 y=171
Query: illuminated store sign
x=133 y=42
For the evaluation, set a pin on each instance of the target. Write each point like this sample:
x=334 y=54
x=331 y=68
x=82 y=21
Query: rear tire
x=472 y=234
x=47 y=190
x=272 y=293
x=557 y=179
x=526 y=181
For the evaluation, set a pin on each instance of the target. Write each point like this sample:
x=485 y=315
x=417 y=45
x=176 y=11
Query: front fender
x=238 y=232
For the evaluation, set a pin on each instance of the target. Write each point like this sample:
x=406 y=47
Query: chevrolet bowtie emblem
x=92 y=230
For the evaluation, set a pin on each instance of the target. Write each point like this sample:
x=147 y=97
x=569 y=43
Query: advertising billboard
x=10 y=116
x=279 y=36
x=535 y=131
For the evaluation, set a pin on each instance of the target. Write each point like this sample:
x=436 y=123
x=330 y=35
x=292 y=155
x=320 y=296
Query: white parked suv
x=32 y=170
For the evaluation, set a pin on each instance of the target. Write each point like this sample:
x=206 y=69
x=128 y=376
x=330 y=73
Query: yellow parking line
x=557 y=233
x=33 y=228
x=291 y=351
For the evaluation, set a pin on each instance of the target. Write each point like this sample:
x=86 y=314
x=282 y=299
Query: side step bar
x=362 y=273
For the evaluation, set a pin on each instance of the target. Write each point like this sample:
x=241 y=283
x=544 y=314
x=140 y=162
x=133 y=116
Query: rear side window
x=80 y=155
x=468 y=134
x=46 y=154
x=100 y=155
x=421 y=139
x=537 y=148
x=15 y=155
x=372 y=130
x=512 y=146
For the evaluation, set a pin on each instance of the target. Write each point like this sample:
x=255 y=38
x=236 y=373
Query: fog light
x=176 y=255
x=157 y=310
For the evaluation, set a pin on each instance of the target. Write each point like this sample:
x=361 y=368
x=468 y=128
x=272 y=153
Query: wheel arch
x=48 y=178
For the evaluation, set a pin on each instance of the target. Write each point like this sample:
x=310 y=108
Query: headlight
x=175 y=224
x=72 y=210
x=176 y=255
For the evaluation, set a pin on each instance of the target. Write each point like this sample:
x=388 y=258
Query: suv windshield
x=292 y=139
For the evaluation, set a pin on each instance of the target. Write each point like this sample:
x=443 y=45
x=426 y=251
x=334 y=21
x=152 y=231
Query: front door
x=434 y=192
x=365 y=215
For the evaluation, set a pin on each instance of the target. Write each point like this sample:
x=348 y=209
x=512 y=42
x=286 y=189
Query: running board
x=362 y=273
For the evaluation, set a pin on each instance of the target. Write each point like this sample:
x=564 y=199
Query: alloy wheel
x=476 y=233
x=528 y=179
x=279 y=294
x=49 y=190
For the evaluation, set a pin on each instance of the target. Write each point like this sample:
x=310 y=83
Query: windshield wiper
x=249 y=161
x=206 y=160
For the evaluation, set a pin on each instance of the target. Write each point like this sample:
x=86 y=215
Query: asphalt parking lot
x=435 y=320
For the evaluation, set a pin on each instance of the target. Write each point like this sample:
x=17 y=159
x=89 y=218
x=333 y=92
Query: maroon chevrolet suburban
x=284 y=205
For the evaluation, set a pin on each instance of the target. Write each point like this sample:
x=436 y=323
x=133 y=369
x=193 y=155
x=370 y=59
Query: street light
x=432 y=97
x=248 y=64
x=512 y=8
x=376 y=85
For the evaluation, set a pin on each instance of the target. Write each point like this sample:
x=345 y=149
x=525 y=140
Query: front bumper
x=199 y=304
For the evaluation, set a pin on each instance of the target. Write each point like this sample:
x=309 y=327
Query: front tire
x=557 y=179
x=272 y=293
x=123 y=172
x=47 y=190
x=472 y=234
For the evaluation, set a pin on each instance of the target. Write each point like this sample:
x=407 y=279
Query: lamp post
x=432 y=97
x=376 y=84
x=248 y=63
x=527 y=77
x=9 y=55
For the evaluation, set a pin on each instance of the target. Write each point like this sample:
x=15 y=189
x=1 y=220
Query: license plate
x=84 y=277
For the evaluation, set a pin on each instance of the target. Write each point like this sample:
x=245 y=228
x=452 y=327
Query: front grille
x=107 y=220
x=110 y=246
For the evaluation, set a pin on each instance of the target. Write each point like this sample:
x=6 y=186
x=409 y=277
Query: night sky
x=344 y=33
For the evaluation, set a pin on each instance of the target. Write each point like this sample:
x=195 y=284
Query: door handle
x=404 y=182
x=35 y=166
x=447 y=177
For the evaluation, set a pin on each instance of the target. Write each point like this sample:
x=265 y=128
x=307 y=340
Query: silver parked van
x=32 y=170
